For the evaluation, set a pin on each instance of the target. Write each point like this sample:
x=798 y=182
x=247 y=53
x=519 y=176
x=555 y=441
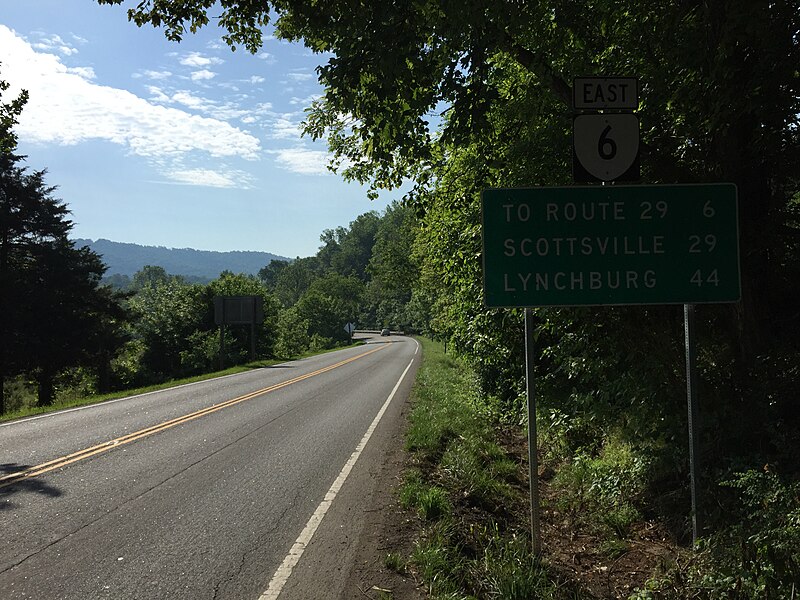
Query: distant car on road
x=385 y=331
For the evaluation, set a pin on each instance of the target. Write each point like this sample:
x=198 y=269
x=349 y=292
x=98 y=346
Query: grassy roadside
x=469 y=493
x=467 y=488
x=74 y=402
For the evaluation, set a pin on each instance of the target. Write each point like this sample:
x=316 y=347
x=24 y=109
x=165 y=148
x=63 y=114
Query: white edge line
x=284 y=571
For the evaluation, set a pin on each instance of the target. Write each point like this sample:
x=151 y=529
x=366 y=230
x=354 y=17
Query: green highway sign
x=610 y=245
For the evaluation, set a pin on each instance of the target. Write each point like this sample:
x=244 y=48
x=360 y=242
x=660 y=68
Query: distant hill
x=127 y=259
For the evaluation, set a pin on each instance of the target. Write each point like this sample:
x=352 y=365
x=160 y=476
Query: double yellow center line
x=63 y=461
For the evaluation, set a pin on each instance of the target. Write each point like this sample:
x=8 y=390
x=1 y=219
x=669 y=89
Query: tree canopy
x=461 y=96
x=54 y=312
x=408 y=86
x=711 y=73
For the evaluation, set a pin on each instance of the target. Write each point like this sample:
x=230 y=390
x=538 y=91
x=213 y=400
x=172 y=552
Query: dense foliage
x=362 y=274
x=55 y=314
x=719 y=101
x=156 y=326
x=65 y=332
x=460 y=96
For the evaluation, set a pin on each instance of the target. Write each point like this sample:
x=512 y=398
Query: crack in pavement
x=144 y=493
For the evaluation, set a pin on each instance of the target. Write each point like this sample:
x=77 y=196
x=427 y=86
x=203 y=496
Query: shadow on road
x=34 y=484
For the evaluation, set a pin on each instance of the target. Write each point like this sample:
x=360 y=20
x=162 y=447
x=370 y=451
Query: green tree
x=230 y=284
x=355 y=247
x=55 y=314
x=347 y=250
x=392 y=271
x=150 y=275
x=12 y=186
x=174 y=334
x=70 y=319
x=331 y=302
x=294 y=279
x=269 y=274
x=166 y=314
x=331 y=247
x=292 y=336
x=718 y=98
x=9 y=116
x=118 y=281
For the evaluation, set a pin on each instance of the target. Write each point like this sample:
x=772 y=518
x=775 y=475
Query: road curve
x=200 y=491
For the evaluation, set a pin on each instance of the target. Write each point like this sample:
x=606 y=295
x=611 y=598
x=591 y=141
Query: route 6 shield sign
x=606 y=147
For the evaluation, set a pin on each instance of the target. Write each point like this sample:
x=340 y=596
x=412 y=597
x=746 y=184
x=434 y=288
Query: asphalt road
x=201 y=491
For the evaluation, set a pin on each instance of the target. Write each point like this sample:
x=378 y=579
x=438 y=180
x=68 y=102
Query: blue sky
x=177 y=145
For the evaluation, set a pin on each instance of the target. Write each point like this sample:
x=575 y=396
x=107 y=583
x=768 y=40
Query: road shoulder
x=365 y=523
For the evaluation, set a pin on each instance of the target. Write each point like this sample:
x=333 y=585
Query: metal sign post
x=694 y=425
x=533 y=458
x=221 y=347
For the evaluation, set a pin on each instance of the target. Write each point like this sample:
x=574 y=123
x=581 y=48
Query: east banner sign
x=610 y=245
x=601 y=93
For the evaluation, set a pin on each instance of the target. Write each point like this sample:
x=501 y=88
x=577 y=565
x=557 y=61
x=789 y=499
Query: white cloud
x=256 y=79
x=54 y=43
x=202 y=75
x=295 y=101
x=302 y=160
x=210 y=178
x=85 y=72
x=155 y=75
x=67 y=109
x=284 y=127
x=267 y=57
x=189 y=100
x=223 y=111
x=156 y=95
x=195 y=59
x=300 y=76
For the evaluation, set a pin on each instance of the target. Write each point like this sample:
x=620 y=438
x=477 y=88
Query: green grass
x=430 y=502
x=510 y=571
x=462 y=488
x=600 y=491
x=614 y=548
x=433 y=503
x=439 y=562
x=395 y=562
x=29 y=411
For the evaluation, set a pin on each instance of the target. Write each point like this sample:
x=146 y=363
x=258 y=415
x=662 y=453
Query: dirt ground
x=388 y=529
x=572 y=555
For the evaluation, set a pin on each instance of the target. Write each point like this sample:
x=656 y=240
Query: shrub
x=766 y=539
x=203 y=352
x=604 y=490
x=292 y=338
x=758 y=558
